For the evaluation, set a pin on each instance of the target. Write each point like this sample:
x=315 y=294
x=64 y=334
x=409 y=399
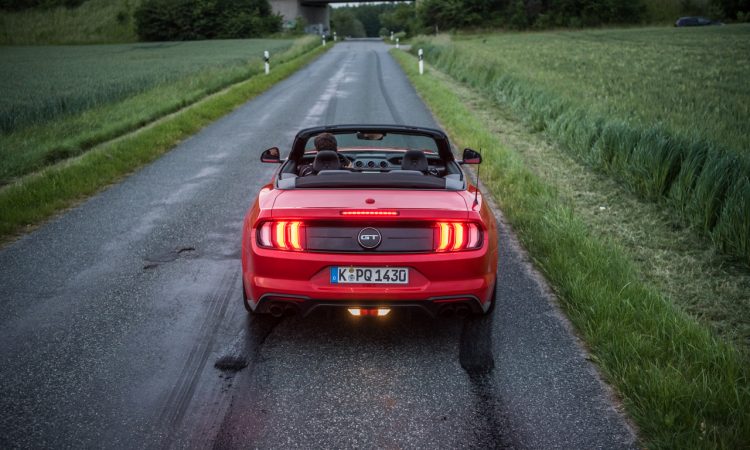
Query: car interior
x=373 y=160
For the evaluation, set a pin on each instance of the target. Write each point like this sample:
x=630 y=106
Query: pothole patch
x=231 y=363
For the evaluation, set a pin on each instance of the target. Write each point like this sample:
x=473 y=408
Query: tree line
x=429 y=16
x=163 y=20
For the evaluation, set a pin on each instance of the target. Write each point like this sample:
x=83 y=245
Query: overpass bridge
x=315 y=13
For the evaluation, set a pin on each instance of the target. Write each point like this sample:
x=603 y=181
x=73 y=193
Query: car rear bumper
x=300 y=282
x=440 y=306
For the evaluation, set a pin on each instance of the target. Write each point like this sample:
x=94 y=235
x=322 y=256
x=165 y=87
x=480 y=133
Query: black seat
x=414 y=160
x=326 y=160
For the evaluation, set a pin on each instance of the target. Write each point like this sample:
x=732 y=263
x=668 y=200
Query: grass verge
x=38 y=196
x=683 y=387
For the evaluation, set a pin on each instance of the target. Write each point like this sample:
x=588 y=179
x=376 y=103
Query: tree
x=402 y=17
x=159 y=20
x=345 y=24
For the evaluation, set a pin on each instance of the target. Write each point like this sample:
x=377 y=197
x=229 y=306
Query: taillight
x=456 y=236
x=282 y=235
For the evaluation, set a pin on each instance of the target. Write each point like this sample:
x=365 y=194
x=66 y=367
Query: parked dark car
x=695 y=22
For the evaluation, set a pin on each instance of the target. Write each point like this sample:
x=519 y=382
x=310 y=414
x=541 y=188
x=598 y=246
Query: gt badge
x=369 y=238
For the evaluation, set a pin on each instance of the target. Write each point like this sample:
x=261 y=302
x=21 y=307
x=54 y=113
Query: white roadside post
x=421 y=62
x=334 y=37
x=397 y=43
x=391 y=36
x=267 y=60
x=323 y=37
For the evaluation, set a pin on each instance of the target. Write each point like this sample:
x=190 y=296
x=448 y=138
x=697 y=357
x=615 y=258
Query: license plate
x=378 y=275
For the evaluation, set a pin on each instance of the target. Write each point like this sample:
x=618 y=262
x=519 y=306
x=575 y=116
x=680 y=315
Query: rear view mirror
x=271 y=155
x=370 y=136
x=471 y=157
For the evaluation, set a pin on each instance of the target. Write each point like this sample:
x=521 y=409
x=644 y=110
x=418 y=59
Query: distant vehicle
x=390 y=220
x=695 y=22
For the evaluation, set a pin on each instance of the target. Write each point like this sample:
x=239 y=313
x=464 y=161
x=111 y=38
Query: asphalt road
x=115 y=315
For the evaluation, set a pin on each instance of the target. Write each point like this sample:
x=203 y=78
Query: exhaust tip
x=446 y=311
x=462 y=311
x=276 y=310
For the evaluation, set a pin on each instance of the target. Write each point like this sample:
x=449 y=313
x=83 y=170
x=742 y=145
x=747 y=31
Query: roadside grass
x=686 y=268
x=683 y=387
x=93 y=22
x=58 y=102
x=665 y=111
x=38 y=196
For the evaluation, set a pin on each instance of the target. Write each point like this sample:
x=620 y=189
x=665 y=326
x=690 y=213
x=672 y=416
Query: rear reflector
x=369 y=213
x=456 y=236
x=281 y=235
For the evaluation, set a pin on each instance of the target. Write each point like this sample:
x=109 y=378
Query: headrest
x=326 y=160
x=414 y=160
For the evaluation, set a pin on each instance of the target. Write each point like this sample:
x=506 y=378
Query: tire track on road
x=384 y=92
x=181 y=395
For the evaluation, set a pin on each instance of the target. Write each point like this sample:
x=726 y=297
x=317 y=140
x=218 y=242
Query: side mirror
x=271 y=155
x=471 y=157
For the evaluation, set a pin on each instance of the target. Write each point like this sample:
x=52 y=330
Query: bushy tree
x=371 y=15
x=17 y=5
x=160 y=20
x=402 y=17
x=345 y=23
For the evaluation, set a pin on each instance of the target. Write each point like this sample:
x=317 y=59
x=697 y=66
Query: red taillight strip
x=281 y=235
x=475 y=236
x=445 y=236
x=369 y=213
x=294 y=236
x=456 y=236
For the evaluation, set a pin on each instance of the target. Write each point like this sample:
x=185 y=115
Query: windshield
x=380 y=141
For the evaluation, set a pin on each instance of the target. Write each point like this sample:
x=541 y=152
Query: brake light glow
x=378 y=312
x=373 y=212
x=279 y=235
x=445 y=235
x=294 y=237
x=456 y=236
x=282 y=235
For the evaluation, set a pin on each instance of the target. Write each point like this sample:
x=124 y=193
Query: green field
x=59 y=101
x=40 y=83
x=665 y=111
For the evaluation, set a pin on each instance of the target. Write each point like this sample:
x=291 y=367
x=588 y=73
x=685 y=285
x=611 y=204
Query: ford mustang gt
x=384 y=219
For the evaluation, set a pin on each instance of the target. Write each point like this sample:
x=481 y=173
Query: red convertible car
x=384 y=219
